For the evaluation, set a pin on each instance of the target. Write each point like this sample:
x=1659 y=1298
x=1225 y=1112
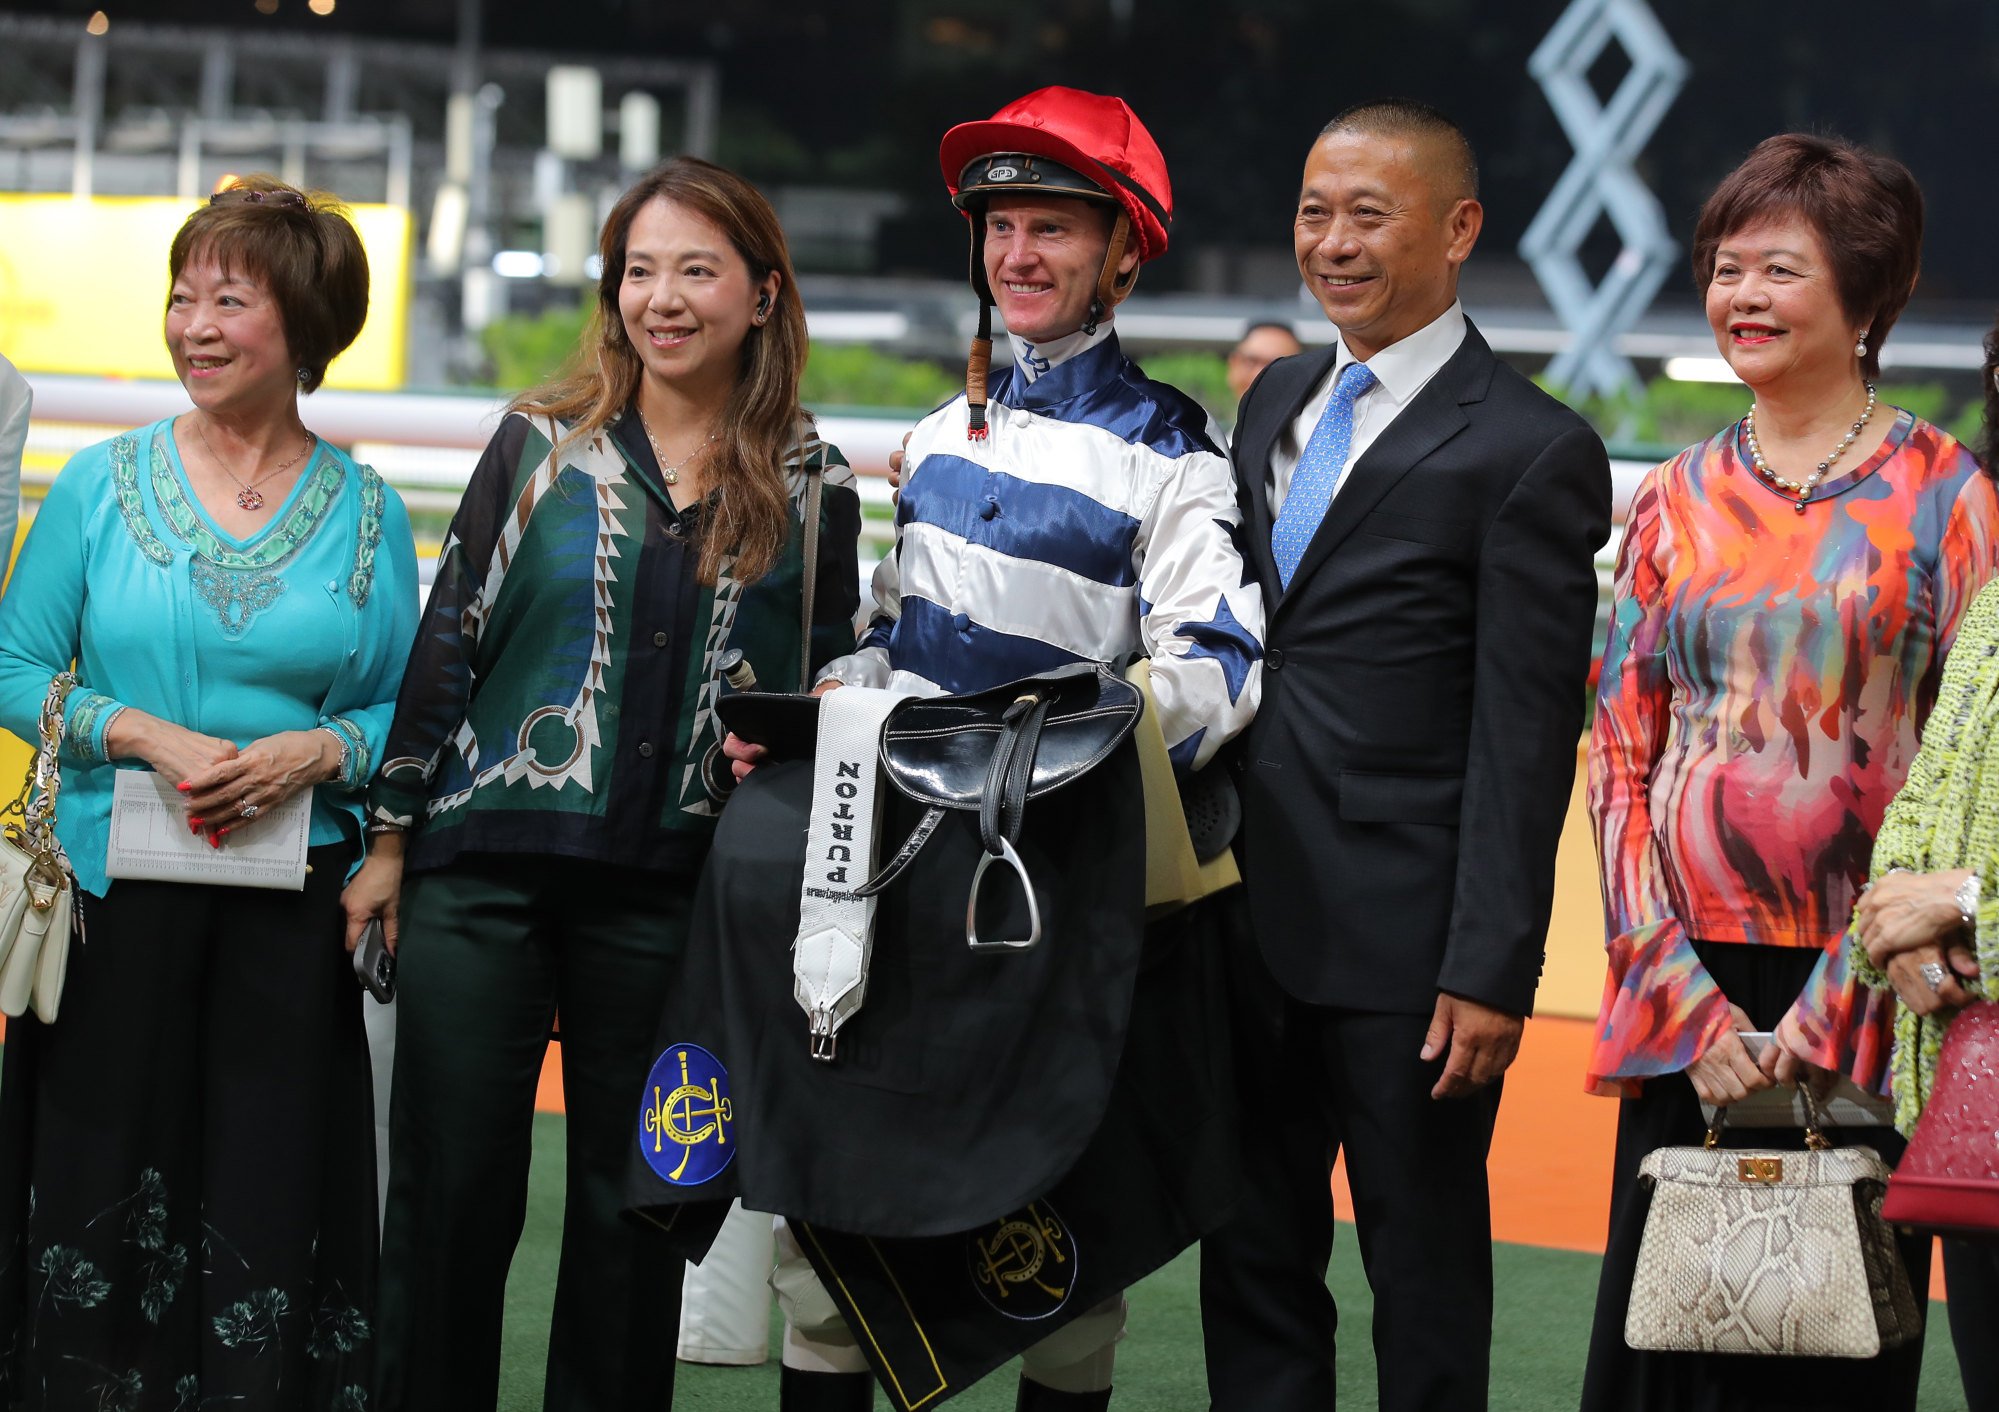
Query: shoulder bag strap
x=815 y=480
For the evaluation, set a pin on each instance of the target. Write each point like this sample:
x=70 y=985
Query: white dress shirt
x=1401 y=370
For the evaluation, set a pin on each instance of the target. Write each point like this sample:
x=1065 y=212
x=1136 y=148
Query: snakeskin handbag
x=1948 y=1180
x=37 y=892
x=1770 y=1251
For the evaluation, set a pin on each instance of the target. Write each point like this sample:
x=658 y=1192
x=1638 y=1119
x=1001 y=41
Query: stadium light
x=518 y=264
x=98 y=23
x=320 y=7
x=267 y=7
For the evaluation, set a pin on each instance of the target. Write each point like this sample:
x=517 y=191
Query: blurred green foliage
x=854 y=375
x=524 y=350
x=1669 y=415
x=1202 y=376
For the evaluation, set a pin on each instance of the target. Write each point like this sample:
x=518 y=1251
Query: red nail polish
x=214 y=842
x=194 y=826
x=184 y=786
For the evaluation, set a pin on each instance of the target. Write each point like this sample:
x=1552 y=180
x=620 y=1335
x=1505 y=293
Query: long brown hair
x=761 y=424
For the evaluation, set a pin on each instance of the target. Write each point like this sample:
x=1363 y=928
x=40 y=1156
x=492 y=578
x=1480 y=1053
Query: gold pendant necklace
x=670 y=473
x=249 y=497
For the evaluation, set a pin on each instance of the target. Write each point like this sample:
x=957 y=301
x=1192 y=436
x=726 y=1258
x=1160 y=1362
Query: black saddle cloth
x=1005 y=1138
x=969 y=1082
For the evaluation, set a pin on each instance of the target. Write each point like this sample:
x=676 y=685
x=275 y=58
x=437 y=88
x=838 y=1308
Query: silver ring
x=246 y=809
x=1933 y=973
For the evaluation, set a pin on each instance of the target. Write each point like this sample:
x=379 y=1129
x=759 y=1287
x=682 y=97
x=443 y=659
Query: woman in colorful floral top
x=1785 y=597
x=555 y=772
x=187 y=1189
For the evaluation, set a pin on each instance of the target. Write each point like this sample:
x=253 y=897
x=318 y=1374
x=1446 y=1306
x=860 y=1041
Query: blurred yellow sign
x=83 y=288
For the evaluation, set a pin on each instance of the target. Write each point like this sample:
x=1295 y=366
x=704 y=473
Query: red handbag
x=1948 y=1180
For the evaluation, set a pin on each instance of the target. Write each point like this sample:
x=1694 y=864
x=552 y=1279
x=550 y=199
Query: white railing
x=425 y=444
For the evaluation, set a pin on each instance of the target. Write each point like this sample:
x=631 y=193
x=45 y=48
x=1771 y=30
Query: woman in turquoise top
x=187 y=1193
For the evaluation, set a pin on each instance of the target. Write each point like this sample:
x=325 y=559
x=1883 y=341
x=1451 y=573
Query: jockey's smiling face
x=1043 y=257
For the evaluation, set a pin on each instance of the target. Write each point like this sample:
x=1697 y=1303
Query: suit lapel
x=1433 y=418
x=1291 y=384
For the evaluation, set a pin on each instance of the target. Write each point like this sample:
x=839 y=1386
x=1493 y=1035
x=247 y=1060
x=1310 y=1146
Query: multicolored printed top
x=1764 y=682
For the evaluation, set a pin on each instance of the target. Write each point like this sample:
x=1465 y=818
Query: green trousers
x=491 y=948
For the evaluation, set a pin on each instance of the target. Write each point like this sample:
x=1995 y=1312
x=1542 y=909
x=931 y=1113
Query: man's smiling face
x=1043 y=256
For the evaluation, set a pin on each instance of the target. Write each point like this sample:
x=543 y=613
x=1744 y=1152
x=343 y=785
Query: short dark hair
x=1865 y=208
x=1405 y=117
x=1256 y=324
x=302 y=247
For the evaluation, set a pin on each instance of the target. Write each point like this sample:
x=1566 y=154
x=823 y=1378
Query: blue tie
x=1318 y=472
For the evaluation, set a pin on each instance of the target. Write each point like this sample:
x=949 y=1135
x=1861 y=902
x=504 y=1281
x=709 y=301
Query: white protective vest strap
x=829 y=960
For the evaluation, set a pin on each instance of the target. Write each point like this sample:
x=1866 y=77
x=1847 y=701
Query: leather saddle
x=985 y=752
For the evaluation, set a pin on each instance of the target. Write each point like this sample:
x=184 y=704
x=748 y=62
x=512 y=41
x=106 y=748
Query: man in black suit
x=1424 y=521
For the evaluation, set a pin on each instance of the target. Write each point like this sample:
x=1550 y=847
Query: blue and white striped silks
x=1095 y=520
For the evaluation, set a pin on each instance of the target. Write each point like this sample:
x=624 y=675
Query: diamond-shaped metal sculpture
x=1600 y=182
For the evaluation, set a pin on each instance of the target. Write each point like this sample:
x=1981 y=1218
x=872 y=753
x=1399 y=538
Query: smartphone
x=375 y=964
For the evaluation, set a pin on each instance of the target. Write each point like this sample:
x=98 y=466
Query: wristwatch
x=1967 y=897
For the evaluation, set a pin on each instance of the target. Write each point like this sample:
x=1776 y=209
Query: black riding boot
x=1036 y=1398
x=800 y=1391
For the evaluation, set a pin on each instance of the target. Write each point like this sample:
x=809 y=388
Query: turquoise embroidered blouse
x=308 y=623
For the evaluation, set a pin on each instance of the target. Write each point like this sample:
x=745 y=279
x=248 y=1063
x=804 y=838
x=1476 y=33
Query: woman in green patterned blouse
x=1928 y=924
x=554 y=773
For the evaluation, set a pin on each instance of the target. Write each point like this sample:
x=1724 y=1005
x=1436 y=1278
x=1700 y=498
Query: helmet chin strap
x=979 y=365
x=1112 y=287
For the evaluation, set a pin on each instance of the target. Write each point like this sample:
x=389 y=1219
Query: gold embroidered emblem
x=677 y=1118
x=1025 y=1265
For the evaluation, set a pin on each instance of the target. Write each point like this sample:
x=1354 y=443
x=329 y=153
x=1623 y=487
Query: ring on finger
x=246 y=809
x=1932 y=972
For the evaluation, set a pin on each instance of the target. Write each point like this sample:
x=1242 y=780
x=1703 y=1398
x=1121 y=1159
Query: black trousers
x=490 y=948
x=1313 y=1082
x=187 y=1159
x=1763 y=980
x=1971 y=1270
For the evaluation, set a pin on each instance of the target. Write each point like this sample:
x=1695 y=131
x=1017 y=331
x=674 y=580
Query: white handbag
x=1771 y=1252
x=37 y=891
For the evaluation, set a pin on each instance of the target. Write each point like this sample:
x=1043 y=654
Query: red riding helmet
x=1059 y=142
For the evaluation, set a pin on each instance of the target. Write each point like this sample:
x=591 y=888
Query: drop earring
x=1860 y=348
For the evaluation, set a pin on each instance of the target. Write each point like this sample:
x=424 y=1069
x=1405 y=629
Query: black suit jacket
x=1406 y=778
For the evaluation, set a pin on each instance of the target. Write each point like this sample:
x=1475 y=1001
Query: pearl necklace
x=1803 y=489
x=670 y=473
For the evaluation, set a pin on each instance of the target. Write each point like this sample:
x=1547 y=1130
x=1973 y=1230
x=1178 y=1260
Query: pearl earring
x=1860 y=348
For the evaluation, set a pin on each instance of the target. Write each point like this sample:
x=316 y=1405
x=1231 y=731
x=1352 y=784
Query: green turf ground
x=1540 y=1331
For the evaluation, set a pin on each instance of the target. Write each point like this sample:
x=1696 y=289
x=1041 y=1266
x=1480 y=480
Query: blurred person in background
x=1261 y=344
x=187 y=1189
x=16 y=400
x=554 y=774
x=1926 y=921
x=1785 y=597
